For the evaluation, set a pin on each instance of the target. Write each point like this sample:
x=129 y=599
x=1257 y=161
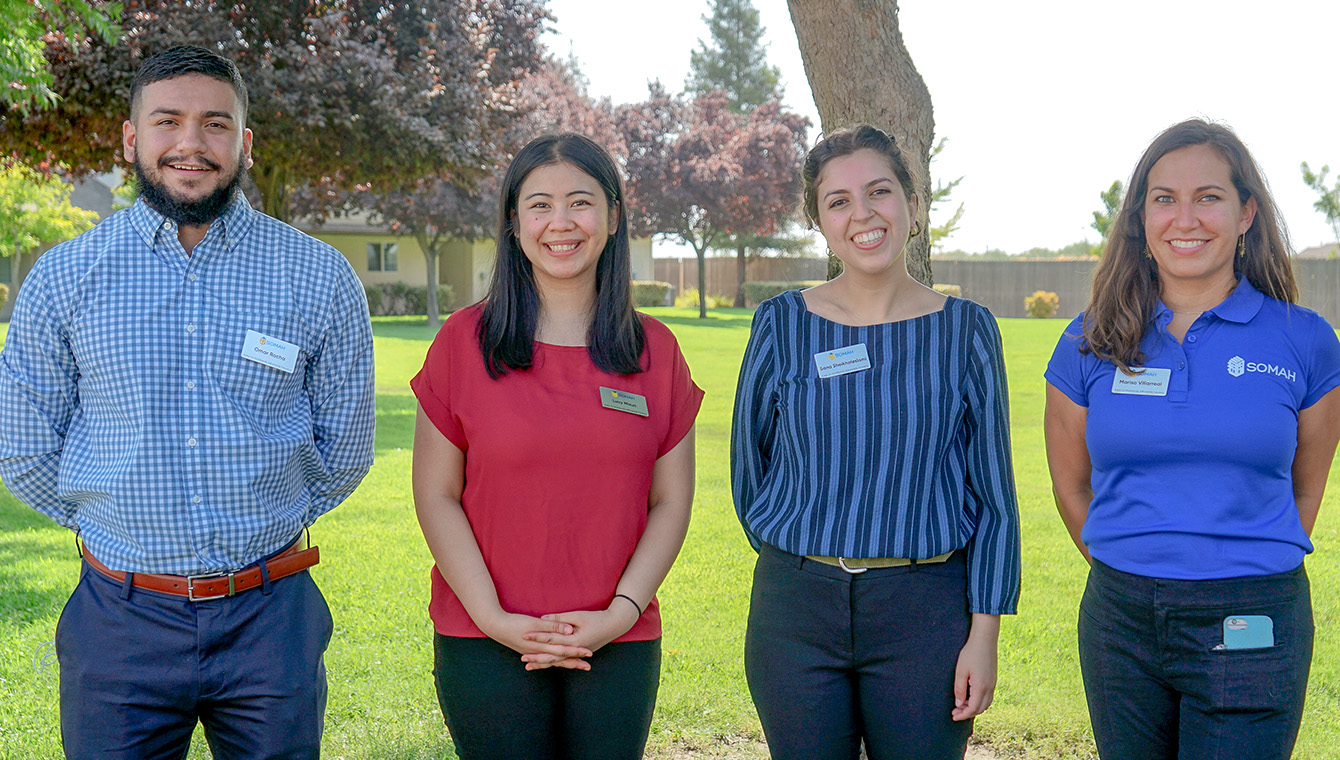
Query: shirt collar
x=232 y=225
x=1240 y=306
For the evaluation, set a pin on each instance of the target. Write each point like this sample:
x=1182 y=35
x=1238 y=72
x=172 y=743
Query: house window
x=382 y=257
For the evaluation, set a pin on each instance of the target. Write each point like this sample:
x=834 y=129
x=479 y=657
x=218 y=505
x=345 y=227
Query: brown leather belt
x=854 y=566
x=199 y=588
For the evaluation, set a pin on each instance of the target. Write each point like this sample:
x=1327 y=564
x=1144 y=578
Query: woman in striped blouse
x=871 y=470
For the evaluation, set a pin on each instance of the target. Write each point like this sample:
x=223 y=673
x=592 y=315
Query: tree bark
x=272 y=183
x=741 y=272
x=861 y=73
x=430 y=250
x=702 y=280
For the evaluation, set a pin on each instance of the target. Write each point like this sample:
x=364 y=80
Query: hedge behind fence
x=650 y=292
x=759 y=291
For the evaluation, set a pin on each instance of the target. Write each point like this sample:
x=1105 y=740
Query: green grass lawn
x=374 y=572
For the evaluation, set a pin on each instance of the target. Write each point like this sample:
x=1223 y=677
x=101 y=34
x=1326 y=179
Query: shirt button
x=1181 y=365
x=190 y=329
x=190 y=385
x=1191 y=338
x=195 y=499
x=190 y=442
x=191 y=277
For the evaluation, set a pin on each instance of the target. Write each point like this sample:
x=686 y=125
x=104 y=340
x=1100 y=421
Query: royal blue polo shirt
x=1192 y=461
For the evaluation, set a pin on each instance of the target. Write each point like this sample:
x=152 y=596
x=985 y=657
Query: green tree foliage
x=344 y=91
x=734 y=60
x=1328 y=202
x=1102 y=220
x=940 y=195
x=30 y=26
x=35 y=209
x=1081 y=249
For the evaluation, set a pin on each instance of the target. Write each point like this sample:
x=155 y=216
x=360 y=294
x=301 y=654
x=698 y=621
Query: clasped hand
x=562 y=639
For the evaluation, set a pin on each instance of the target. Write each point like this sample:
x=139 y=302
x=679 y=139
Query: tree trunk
x=430 y=250
x=702 y=280
x=861 y=73
x=273 y=185
x=741 y=272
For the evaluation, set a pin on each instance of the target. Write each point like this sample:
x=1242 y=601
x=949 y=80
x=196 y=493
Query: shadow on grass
x=733 y=319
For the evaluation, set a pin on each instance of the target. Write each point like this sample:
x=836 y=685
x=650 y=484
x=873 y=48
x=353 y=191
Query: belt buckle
x=842 y=563
x=190 y=586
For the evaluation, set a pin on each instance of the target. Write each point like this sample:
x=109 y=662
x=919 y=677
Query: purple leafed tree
x=698 y=171
x=342 y=91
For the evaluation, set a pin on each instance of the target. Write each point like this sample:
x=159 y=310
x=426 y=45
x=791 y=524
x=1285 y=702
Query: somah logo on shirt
x=1237 y=366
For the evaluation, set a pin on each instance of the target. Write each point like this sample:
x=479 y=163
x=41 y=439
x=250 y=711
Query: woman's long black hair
x=512 y=312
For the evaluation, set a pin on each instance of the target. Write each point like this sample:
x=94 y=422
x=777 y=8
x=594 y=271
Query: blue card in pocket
x=1249 y=632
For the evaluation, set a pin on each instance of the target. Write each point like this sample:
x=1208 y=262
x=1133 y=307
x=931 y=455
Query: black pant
x=1160 y=683
x=495 y=708
x=834 y=658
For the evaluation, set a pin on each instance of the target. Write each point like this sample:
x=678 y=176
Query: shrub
x=756 y=293
x=689 y=299
x=949 y=290
x=1042 y=304
x=394 y=299
x=650 y=292
x=4 y=294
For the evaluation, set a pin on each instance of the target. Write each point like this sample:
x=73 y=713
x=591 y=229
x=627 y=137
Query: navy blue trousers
x=495 y=708
x=834 y=659
x=138 y=669
x=1161 y=685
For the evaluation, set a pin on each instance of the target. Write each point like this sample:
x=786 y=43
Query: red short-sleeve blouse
x=556 y=485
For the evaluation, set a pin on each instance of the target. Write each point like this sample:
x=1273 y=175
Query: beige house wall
x=410 y=265
x=639 y=250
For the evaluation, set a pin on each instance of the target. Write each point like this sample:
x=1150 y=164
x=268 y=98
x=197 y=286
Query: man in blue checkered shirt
x=188 y=386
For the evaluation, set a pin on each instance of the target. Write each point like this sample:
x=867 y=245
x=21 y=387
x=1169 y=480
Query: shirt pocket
x=261 y=392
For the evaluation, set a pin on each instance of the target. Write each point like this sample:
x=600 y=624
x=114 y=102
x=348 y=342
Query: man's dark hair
x=184 y=60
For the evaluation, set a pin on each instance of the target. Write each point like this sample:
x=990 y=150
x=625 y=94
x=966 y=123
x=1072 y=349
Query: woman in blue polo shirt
x=870 y=461
x=1191 y=421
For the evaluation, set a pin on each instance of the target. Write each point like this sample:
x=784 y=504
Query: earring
x=916 y=229
x=1242 y=247
x=1148 y=253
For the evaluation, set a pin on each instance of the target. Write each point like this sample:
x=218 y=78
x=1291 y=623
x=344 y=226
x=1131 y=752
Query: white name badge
x=841 y=361
x=270 y=351
x=1150 y=381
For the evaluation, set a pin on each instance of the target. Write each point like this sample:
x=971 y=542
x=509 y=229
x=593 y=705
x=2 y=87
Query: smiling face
x=863 y=213
x=562 y=223
x=1193 y=217
x=189 y=145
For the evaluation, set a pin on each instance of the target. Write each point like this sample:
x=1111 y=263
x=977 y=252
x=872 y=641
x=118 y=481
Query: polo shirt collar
x=1240 y=306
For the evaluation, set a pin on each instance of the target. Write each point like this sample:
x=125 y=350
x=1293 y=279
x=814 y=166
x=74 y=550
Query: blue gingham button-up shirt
x=129 y=413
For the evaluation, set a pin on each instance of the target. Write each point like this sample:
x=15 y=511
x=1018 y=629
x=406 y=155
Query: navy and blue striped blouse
x=909 y=458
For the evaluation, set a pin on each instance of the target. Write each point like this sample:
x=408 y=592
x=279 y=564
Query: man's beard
x=198 y=213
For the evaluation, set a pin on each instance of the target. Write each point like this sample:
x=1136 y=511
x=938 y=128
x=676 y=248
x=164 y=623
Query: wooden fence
x=1001 y=286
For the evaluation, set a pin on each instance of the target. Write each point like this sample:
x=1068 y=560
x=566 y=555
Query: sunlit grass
x=374 y=571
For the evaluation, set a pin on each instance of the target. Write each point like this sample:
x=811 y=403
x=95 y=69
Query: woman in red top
x=553 y=476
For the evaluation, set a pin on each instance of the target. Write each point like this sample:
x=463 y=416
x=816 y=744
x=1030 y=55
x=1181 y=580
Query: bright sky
x=1044 y=102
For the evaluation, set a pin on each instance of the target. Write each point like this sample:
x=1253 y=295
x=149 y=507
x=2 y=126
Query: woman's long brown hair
x=1126 y=282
